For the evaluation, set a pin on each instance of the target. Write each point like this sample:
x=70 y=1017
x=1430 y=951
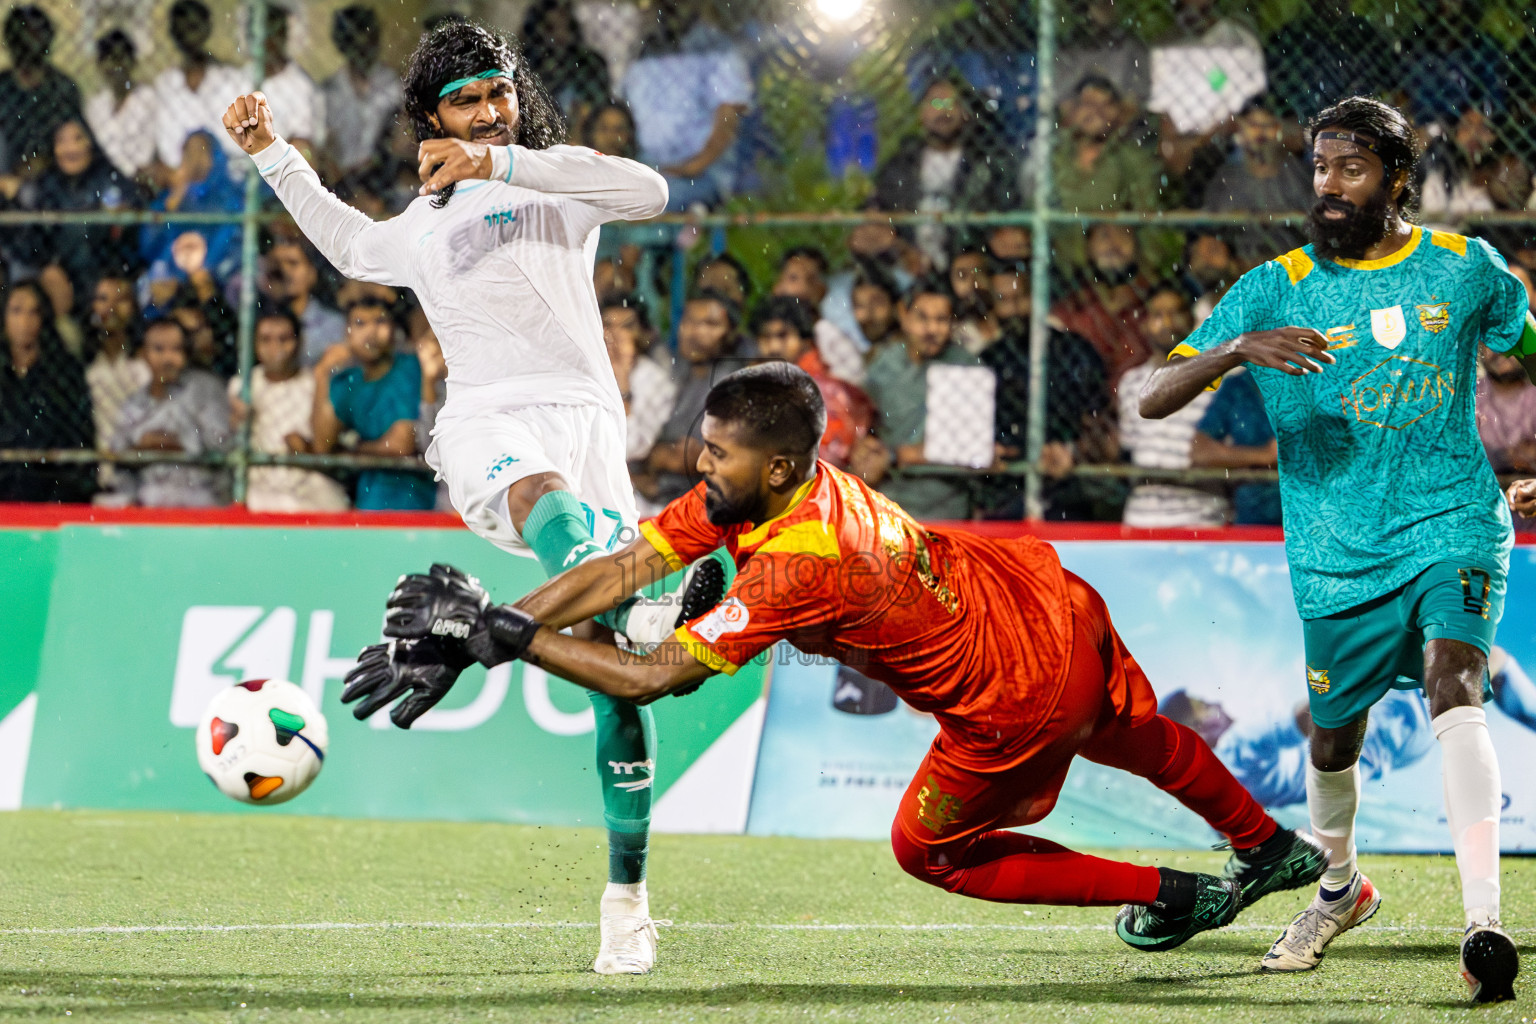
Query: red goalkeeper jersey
x=977 y=632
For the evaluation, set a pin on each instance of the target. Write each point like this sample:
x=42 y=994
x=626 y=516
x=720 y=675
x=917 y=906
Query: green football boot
x=1300 y=863
x=1217 y=901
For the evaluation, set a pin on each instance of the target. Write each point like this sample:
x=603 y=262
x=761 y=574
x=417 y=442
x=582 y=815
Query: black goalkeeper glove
x=441 y=622
x=452 y=608
x=422 y=671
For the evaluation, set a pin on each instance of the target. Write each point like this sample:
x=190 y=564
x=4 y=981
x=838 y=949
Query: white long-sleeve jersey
x=503 y=272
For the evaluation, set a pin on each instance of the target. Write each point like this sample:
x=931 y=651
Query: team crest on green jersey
x=1435 y=317
x=1317 y=678
x=1388 y=326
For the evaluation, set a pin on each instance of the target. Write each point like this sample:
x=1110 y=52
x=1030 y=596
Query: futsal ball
x=262 y=741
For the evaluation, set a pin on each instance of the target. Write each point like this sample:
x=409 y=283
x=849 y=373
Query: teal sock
x=557 y=531
x=626 y=750
x=626 y=856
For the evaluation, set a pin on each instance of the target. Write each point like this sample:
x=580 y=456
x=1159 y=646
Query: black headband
x=1365 y=142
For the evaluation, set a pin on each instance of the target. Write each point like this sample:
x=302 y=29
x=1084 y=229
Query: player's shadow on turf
x=1429 y=951
x=130 y=996
x=1189 y=979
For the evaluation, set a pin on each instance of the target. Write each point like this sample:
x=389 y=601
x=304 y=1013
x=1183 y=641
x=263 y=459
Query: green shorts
x=1355 y=656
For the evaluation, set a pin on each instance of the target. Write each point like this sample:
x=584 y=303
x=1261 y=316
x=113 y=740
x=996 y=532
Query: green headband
x=459 y=83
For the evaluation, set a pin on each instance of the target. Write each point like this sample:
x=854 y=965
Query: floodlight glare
x=839 y=11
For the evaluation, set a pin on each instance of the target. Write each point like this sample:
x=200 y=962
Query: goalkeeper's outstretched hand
x=440 y=622
x=422 y=671
x=442 y=602
x=452 y=608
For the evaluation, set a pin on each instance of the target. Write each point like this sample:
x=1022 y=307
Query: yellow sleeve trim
x=705 y=654
x=1297 y=265
x=662 y=546
x=1445 y=240
x=1181 y=349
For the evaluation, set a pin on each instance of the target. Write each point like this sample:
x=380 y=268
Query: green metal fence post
x=1040 y=269
x=240 y=458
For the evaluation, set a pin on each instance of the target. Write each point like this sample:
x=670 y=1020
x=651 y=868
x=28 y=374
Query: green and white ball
x=262 y=741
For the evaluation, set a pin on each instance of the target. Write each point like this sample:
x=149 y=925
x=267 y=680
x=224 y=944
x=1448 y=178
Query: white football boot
x=628 y=944
x=1489 y=962
x=1302 y=945
x=650 y=621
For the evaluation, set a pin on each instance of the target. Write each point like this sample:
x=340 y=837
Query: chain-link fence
x=978 y=223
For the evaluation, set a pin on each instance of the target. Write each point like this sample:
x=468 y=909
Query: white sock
x=625 y=898
x=1332 y=799
x=1472 y=803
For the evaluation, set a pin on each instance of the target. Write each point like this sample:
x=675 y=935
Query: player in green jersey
x=1364 y=346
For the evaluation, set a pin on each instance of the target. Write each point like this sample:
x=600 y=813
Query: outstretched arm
x=1290 y=350
x=606 y=669
x=618 y=189
x=595 y=586
x=357 y=246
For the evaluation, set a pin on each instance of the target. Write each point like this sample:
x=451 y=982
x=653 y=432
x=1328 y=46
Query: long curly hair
x=459 y=49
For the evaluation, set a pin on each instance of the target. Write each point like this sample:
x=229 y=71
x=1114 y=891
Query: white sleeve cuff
x=268 y=159
x=501 y=163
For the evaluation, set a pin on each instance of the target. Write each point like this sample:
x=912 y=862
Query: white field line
x=363 y=926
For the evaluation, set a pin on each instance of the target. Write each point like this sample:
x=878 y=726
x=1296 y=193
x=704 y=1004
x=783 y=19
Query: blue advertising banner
x=1215 y=628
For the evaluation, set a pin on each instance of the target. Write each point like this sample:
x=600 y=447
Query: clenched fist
x=445 y=161
x=249 y=122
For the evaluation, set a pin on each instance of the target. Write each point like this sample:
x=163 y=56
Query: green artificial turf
x=437 y=922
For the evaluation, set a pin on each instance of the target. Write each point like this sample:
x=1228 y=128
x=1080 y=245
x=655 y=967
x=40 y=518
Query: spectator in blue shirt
x=201 y=185
x=688 y=91
x=375 y=395
x=1235 y=433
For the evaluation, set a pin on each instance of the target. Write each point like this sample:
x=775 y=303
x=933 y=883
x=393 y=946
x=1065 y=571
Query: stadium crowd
x=122 y=338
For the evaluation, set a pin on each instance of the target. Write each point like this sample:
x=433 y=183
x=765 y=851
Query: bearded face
x=1339 y=228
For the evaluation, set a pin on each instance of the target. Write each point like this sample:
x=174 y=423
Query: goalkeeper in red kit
x=1014 y=656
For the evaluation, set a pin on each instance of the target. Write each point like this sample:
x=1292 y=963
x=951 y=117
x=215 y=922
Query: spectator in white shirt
x=300 y=110
x=194 y=94
x=282 y=400
x=360 y=99
x=116 y=371
x=123 y=114
x=646 y=386
x=1167 y=443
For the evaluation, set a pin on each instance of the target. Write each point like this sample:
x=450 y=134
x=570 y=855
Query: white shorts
x=481 y=454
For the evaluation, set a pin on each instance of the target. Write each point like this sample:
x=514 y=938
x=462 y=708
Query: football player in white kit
x=499 y=250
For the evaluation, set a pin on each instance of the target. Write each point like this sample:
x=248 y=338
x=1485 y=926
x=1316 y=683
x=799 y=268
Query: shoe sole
x=704 y=591
x=1299 y=970
x=1498 y=963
